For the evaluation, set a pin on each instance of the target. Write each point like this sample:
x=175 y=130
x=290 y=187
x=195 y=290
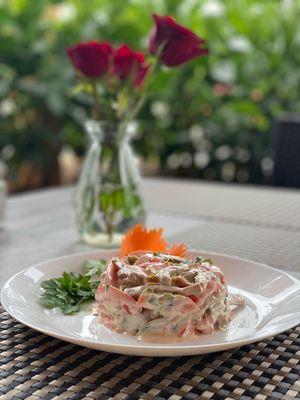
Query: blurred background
x=232 y=116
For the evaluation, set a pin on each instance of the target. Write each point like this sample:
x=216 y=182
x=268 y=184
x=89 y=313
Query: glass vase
x=108 y=200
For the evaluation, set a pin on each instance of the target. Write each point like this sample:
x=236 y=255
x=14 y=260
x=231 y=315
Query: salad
x=158 y=296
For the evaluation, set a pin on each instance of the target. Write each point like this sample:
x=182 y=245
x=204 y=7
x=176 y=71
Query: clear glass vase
x=108 y=199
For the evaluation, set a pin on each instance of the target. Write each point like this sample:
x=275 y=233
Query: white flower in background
x=160 y=109
x=173 y=161
x=7 y=107
x=198 y=139
x=7 y=152
x=186 y=7
x=242 y=155
x=240 y=44
x=223 y=152
x=101 y=17
x=287 y=4
x=224 y=71
x=212 y=9
x=132 y=128
x=201 y=159
x=67 y=12
x=196 y=133
x=61 y=12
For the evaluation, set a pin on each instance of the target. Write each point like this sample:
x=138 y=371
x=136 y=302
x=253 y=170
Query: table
x=258 y=223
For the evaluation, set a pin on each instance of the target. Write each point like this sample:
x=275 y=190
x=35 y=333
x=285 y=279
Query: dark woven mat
x=35 y=366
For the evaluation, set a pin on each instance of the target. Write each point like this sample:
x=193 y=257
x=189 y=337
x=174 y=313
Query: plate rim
x=119 y=348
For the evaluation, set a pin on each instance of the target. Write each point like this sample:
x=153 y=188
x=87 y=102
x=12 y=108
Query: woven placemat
x=35 y=366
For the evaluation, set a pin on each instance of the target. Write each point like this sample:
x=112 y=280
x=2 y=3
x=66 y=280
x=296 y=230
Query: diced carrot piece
x=117 y=298
x=194 y=298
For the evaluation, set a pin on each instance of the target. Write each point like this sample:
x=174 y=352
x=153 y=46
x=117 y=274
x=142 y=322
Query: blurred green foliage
x=211 y=119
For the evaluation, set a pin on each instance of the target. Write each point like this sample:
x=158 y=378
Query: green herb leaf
x=70 y=309
x=208 y=260
x=69 y=291
x=94 y=267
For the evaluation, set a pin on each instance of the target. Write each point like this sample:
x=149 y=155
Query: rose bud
x=176 y=43
x=129 y=64
x=91 y=58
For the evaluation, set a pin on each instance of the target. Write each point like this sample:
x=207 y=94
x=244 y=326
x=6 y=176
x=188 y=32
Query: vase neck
x=108 y=132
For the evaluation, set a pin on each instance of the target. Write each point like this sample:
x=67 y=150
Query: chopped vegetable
x=202 y=260
x=132 y=259
x=71 y=290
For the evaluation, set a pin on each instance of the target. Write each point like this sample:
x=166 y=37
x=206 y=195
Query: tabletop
x=262 y=224
x=239 y=220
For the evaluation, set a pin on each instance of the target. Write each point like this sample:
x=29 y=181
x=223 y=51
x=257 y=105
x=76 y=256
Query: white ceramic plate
x=272 y=306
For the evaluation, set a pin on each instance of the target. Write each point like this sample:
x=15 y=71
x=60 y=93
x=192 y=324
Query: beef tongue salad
x=158 y=297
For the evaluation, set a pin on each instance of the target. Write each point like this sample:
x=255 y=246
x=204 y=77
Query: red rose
x=91 y=58
x=179 y=44
x=128 y=63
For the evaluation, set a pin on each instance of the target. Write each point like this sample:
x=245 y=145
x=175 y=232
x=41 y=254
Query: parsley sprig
x=71 y=290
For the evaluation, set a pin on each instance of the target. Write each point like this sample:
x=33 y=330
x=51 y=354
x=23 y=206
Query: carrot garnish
x=141 y=238
x=177 y=250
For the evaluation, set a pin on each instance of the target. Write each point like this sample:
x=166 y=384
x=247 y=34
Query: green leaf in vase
x=119 y=200
x=104 y=201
